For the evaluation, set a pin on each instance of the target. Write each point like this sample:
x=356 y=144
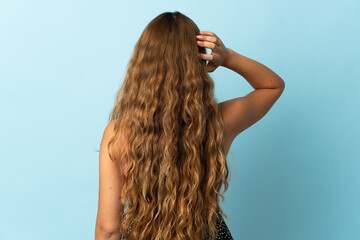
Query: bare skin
x=238 y=114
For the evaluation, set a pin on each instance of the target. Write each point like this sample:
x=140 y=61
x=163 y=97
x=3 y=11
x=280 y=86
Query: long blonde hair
x=174 y=151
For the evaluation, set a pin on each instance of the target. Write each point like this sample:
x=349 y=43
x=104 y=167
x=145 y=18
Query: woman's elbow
x=106 y=234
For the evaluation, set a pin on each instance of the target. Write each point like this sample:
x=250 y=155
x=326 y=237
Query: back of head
x=175 y=160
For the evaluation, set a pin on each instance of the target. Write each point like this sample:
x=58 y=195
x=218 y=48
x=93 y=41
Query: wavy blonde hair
x=174 y=151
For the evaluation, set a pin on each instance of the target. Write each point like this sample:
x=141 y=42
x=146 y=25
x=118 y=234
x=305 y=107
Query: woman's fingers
x=210 y=35
x=206 y=44
x=206 y=57
x=207 y=33
x=208 y=39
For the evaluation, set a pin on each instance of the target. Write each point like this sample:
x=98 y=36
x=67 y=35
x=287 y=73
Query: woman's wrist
x=228 y=55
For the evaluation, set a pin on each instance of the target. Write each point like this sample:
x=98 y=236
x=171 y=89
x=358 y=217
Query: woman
x=162 y=158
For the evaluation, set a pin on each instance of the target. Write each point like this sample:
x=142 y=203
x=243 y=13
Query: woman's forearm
x=257 y=74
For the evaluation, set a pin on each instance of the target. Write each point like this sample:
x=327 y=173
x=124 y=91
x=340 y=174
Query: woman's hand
x=219 y=53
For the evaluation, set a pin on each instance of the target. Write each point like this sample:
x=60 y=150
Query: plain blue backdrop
x=294 y=174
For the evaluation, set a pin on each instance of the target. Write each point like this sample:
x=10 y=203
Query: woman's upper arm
x=242 y=112
x=110 y=186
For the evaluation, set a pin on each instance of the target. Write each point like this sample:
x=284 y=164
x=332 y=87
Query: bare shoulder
x=109 y=132
x=110 y=127
x=240 y=113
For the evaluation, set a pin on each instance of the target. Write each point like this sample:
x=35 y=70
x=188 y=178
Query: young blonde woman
x=162 y=159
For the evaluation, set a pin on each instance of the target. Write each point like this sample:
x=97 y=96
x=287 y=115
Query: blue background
x=295 y=173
